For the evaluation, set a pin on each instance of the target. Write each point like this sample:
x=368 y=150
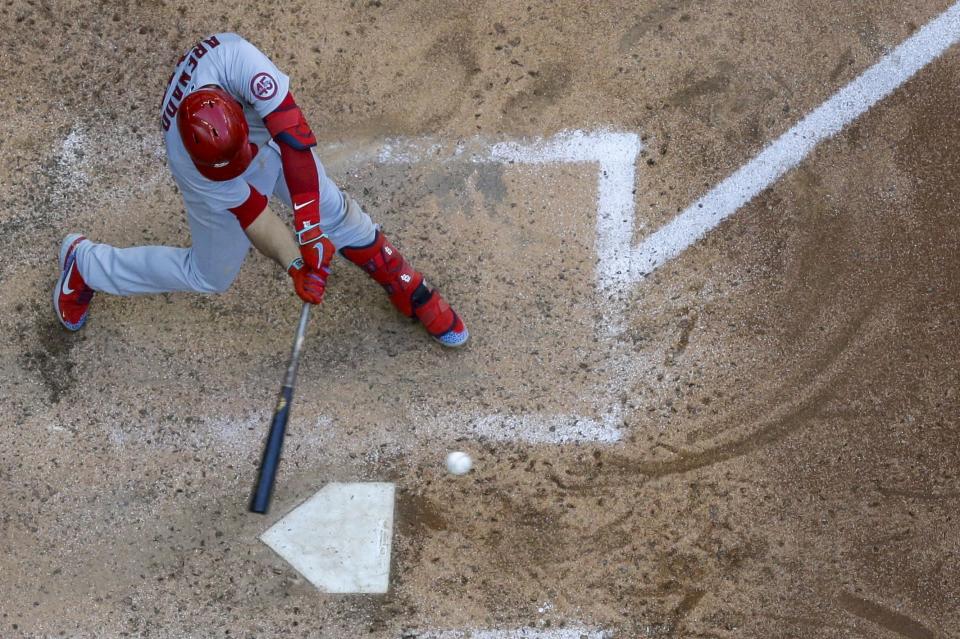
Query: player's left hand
x=309 y=283
x=316 y=249
x=317 y=254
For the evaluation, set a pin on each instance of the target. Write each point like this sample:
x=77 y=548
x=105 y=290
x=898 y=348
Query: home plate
x=339 y=539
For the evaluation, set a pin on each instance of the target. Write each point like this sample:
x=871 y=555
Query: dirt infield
x=784 y=392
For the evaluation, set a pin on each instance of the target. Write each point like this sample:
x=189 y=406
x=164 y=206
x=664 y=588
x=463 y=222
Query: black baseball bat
x=260 y=501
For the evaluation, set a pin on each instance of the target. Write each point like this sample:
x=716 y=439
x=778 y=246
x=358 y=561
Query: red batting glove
x=309 y=283
x=316 y=249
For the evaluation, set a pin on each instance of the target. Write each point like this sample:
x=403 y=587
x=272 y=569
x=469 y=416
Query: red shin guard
x=389 y=269
x=406 y=287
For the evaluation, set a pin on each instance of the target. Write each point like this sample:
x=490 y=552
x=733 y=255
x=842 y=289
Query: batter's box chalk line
x=619 y=264
x=571 y=632
x=614 y=153
x=533 y=428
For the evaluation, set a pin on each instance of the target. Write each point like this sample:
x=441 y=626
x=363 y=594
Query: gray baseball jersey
x=219 y=245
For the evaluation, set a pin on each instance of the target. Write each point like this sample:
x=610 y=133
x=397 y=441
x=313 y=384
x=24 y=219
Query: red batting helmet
x=215 y=133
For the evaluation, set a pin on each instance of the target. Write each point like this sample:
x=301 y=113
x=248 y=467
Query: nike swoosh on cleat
x=65 y=289
x=297 y=207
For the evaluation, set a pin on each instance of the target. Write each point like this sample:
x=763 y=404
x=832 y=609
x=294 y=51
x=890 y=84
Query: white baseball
x=459 y=463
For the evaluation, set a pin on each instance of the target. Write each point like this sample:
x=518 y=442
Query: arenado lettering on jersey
x=173 y=102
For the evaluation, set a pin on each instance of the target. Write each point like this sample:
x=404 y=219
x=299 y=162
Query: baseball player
x=235 y=136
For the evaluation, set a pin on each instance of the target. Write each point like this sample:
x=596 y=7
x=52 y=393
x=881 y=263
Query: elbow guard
x=287 y=125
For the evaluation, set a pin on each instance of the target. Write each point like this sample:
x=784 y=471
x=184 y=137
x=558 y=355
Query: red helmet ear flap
x=215 y=133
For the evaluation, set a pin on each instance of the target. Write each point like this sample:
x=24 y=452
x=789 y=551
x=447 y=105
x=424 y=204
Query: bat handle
x=291 y=375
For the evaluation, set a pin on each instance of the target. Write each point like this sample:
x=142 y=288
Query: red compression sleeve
x=251 y=209
x=293 y=136
x=300 y=174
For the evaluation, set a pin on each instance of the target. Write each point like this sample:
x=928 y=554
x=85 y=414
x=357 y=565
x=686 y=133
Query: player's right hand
x=309 y=283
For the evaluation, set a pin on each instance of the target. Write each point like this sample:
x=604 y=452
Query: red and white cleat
x=71 y=296
x=441 y=321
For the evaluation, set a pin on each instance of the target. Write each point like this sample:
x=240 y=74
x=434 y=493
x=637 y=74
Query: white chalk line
x=615 y=153
x=573 y=632
x=536 y=428
x=787 y=151
x=82 y=150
